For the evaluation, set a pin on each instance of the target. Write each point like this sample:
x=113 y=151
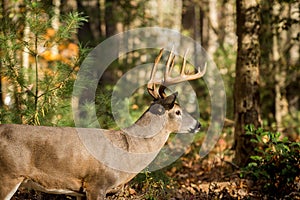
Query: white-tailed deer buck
x=54 y=160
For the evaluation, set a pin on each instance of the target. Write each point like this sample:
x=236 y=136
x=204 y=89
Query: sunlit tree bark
x=55 y=23
x=246 y=94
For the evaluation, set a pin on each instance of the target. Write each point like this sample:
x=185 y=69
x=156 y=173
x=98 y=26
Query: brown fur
x=54 y=159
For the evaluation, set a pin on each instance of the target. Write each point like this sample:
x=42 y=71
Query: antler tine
x=172 y=66
x=168 y=63
x=184 y=63
x=167 y=79
x=183 y=76
x=167 y=73
x=151 y=86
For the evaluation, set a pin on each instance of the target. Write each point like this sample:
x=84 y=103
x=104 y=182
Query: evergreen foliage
x=40 y=88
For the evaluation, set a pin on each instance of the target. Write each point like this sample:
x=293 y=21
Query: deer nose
x=199 y=125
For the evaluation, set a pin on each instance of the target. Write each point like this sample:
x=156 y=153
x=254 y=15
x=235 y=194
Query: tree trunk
x=281 y=56
x=213 y=25
x=90 y=33
x=110 y=18
x=188 y=16
x=266 y=66
x=3 y=12
x=246 y=94
x=55 y=23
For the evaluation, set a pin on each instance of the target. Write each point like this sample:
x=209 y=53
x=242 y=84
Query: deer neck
x=148 y=134
x=144 y=136
x=137 y=146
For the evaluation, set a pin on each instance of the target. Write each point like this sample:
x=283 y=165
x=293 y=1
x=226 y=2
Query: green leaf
x=253 y=140
x=277 y=135
x=285 y=139
x=259 y=138
x=252 y=164
x=258 y=158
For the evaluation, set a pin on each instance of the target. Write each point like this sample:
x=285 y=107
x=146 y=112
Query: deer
x=54 y=159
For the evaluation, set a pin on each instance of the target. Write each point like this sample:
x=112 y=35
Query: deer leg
x=8 y=187
x=95 y=194
x=80 y=198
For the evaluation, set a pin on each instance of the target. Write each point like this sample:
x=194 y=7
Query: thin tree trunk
x=55 y=23
x=266 y=66
x=110 y=18
x=197 y=31
x=188 y=17
x=102 y=17
x=90 y=33
x=3 y=9
x=246 y=87
x=25 y=52
x=280 y=60
x=213 y=19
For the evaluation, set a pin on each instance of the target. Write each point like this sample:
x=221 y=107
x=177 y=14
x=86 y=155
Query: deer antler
x=167 y=79
x=151 y=86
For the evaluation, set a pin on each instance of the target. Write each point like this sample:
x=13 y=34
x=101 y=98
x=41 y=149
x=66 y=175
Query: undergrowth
x=276 y=164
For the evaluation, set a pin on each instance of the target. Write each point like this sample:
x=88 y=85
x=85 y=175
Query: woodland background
x=255 y=45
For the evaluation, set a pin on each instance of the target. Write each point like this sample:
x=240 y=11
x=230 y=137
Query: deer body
x=55 y=160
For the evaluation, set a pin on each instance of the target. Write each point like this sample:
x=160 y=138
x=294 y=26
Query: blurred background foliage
x=44 y=42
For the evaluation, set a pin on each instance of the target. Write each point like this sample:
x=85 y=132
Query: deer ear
x=169 y=101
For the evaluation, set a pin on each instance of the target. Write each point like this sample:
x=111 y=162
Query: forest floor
x=189 y=178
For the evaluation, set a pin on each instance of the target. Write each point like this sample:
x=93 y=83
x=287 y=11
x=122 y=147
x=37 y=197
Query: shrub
x=276 y=164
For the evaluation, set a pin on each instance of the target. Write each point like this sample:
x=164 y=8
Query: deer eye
x=178 y=112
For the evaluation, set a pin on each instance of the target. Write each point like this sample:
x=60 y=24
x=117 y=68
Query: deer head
x=179 y=119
